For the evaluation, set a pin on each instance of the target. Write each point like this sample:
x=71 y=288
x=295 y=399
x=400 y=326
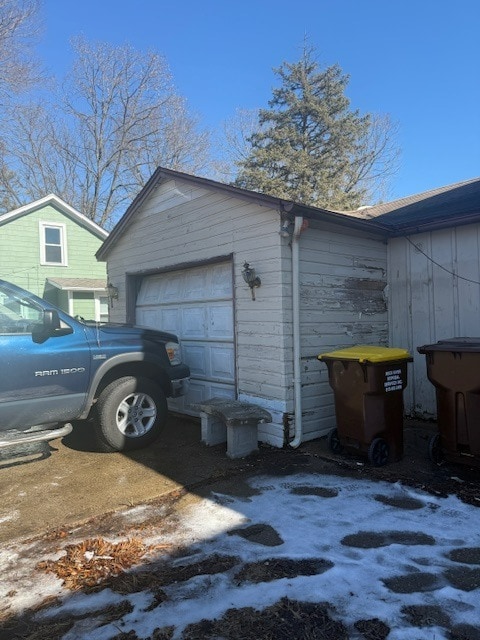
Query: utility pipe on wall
x=297 y=386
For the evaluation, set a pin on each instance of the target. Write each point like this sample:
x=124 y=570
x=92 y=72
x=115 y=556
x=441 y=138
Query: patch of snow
x=311 y=526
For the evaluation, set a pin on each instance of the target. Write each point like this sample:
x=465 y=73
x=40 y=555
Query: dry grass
x=92 y=561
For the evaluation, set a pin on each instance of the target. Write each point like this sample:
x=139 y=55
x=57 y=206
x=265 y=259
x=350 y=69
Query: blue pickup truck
x=55 y=369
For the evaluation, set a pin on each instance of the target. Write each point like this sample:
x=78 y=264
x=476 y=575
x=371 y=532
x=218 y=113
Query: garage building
x=180 y=257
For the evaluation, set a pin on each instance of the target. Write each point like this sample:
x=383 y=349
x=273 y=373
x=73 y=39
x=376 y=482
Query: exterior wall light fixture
x=251 y=278
x=112 y=293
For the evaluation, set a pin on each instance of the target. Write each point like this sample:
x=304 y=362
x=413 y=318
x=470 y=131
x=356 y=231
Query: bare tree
x=233 y=142
x=36 y=167
x=19 y=27
x=376 y=161
x=117 y=119
x=174 y=141
x=19 y=71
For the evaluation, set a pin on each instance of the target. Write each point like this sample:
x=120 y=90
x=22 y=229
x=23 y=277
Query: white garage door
x=196 y=305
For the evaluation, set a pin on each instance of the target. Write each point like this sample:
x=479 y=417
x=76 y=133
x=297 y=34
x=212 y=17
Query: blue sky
x=418 y=61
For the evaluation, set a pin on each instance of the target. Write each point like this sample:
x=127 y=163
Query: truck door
x=40 y=382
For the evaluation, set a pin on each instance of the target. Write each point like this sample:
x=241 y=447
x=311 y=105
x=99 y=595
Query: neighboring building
x=48 y=248
x=433 y=275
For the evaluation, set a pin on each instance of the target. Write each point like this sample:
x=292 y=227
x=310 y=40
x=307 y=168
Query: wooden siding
x=342 y=303
x=183 y=224
x=20 y=252
x=83 y=304
x=428 y=303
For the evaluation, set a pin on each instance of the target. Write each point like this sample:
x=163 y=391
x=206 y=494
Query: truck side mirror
x=50 y=327
x=51 y=321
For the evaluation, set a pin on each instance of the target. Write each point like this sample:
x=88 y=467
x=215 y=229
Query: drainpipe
x=297 y=386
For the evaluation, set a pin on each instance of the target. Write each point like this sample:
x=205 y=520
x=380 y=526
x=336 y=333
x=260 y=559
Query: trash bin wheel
x=434 y=449
x=334 y=442
x=378 y=452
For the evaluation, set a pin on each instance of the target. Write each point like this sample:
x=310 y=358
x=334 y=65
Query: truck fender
x=115 y=361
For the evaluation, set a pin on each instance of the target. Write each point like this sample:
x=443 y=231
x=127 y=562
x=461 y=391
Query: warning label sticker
x=393 y=380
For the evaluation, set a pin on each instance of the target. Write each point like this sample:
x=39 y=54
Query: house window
x=101 y=308
x=53 y=246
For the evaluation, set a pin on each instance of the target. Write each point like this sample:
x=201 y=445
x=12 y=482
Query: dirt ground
x=286 y=619
x=415 y=467
x=66 y=483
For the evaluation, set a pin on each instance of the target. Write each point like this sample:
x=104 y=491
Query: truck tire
x=130 y=413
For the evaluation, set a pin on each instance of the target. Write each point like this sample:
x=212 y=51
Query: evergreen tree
x=310 y=147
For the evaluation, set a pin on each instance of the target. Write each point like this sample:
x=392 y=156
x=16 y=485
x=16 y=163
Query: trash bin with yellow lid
x=368 y=383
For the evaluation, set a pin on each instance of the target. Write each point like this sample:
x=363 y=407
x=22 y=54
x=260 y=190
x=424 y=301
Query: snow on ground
x=312 y=514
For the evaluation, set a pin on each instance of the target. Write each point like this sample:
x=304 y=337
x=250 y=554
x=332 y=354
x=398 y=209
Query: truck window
x=17 y=315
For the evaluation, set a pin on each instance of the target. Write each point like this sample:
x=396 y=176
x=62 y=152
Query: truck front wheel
x=130 y=413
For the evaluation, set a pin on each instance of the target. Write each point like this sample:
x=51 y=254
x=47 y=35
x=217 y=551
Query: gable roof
x=62 y=206
x=451 y=205
x=448 y=206
x=287 y=206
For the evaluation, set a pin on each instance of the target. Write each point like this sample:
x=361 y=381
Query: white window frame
x=63 y=243
x=97 y=304
x=70 y=303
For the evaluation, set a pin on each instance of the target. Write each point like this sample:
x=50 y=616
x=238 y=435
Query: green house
x=48 y=248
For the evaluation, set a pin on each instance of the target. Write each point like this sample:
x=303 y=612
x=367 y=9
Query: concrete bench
x=233 y=422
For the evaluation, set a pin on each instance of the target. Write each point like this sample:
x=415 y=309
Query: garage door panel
x=149 y=292
x=157 y=289
x=148 y=318
x=222 y=362
x=220 y=321
x=196 y=392
x=169 y=320
x=221 y=281
x=193 y=322
x=205 y=283
x=193 y=283
x=165 y=319
x=215 y=389
x=197 y=357
x=170 y=289
x=196 y=305
x=210 y=361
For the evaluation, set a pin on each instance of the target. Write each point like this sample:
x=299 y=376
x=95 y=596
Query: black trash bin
x=368 y=384
x=453 y=367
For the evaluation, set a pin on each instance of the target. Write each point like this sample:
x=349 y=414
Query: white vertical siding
x=342 y=278
x=342 y=282
x=428 y=303
x=184 y=223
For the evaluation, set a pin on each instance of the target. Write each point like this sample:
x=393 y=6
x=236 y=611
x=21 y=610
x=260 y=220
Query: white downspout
x=297 y=386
